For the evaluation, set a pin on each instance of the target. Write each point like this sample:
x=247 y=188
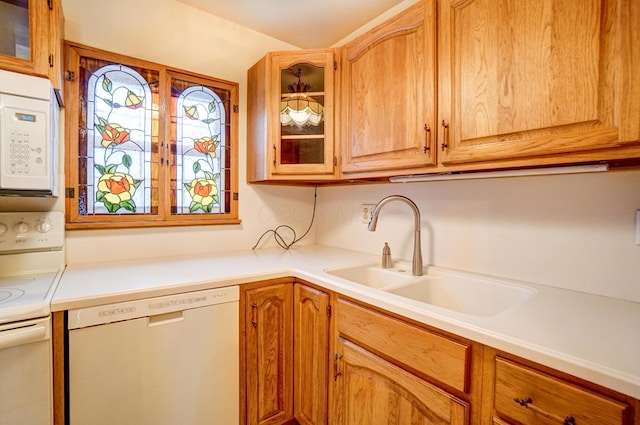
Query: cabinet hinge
x=50 y=3
x=335 y=160
x=328 y=311
x=235 y=196
x=69 y=192
x=69 y=76
x=236 y=108
x=51 y=60
x=335 y=65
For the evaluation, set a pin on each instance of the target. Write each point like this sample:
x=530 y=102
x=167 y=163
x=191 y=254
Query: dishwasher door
x=176 y=366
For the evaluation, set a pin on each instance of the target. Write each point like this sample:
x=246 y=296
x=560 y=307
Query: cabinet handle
x=528 y=403
x=336 y=357
x=445 y=136
x=254 y=311
x=427 y=139
x=275 y=152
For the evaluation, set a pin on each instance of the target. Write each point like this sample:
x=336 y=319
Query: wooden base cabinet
x=371 y=391
x=267 y=314
x=284 y=354
x=311 y=316
x=517 y=391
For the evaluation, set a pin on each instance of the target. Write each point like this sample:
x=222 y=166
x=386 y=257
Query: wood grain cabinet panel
x=388 y=94
x=372 y=391
x=311 y=355
x=526 y=396
x=269 y=354
x=423 y=352
x=524 y=79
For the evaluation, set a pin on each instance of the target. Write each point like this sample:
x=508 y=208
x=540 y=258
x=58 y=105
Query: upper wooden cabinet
x=290 y=128
x=524 y=78
x=31 y=34
x=388 y=94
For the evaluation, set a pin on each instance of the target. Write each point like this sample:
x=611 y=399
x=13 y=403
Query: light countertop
x=590 y=336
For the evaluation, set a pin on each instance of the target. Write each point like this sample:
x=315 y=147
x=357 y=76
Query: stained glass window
x=119 y=137
x=201 y=149
x=147 y=145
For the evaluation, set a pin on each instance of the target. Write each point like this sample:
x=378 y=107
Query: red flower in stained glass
x=206 y=145
x=114 y=134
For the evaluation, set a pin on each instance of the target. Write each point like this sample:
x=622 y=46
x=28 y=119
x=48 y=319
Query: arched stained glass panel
x=119 y=141
x=200 y=121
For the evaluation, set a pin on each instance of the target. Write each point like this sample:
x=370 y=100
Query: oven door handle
x=22 y=336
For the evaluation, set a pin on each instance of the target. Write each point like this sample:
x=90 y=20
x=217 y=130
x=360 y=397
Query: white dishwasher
x=162 y=361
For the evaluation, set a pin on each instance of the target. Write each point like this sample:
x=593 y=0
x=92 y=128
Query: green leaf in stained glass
x=195 y=206
x=106 y=84
x=103 y=123
x=128 y=205
x=208 y=175
x=196 y=167
x=110 y=169
x=100 y=169
x=187 y=186
x=107 y=101
x=99 y=196
x=212 y=107
x=208 y=121
x=126 y=161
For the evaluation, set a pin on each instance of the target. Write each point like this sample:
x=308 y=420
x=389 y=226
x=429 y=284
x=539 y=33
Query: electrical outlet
x=638 y=227
x=365 y=213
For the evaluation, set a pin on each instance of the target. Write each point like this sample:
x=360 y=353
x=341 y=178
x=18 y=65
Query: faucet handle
x=387 y=262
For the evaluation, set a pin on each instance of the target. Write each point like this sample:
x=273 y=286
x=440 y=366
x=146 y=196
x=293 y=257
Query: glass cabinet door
x=305 y=114
x=25 y=35
x=15 y=37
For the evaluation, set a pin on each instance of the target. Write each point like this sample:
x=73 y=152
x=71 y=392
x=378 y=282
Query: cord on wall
x=277 y=236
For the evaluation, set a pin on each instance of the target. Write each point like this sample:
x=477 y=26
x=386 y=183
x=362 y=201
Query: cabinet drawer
x=421 y=351
x=551 y=400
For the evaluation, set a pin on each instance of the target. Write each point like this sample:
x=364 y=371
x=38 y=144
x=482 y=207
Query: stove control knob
x=44 y=227
x=22 y=227
x=3 y=228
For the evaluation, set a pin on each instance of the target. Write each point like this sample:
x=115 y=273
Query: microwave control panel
x=25 y=143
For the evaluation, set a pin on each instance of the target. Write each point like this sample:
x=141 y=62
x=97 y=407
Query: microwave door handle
x=22 y=336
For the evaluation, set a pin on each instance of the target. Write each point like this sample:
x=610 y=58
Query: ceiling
x=305 y=23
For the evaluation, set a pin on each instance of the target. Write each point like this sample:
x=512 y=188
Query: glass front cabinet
x=31 y=37
x=290 y=117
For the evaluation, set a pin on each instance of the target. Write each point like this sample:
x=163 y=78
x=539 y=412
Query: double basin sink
x=457 y=291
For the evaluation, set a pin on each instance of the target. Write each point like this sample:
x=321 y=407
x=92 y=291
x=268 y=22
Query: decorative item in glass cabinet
x=298 y=108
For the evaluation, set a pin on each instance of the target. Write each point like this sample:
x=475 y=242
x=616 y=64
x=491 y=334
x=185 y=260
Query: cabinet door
x=24 y=42
x=269 y=356
x=371 y=391
x=301 y=113
x=388 y=94
x=526 y=78
x=311 y=355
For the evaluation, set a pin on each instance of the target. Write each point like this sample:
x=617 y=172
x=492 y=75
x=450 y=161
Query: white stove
x=26 y=297
x=25 y=318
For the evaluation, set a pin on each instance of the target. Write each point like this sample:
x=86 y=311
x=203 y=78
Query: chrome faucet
x=417 y=247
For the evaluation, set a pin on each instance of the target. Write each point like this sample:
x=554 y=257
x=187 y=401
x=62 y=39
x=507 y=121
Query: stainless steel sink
x=457 y=291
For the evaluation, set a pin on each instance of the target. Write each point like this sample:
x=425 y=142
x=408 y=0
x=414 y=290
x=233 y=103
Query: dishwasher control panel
x=151 y=307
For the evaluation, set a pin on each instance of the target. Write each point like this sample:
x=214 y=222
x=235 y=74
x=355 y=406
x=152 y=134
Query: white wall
x=171 y=33
x=570 y=231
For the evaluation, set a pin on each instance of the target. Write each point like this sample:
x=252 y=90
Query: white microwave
x=28 y=136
